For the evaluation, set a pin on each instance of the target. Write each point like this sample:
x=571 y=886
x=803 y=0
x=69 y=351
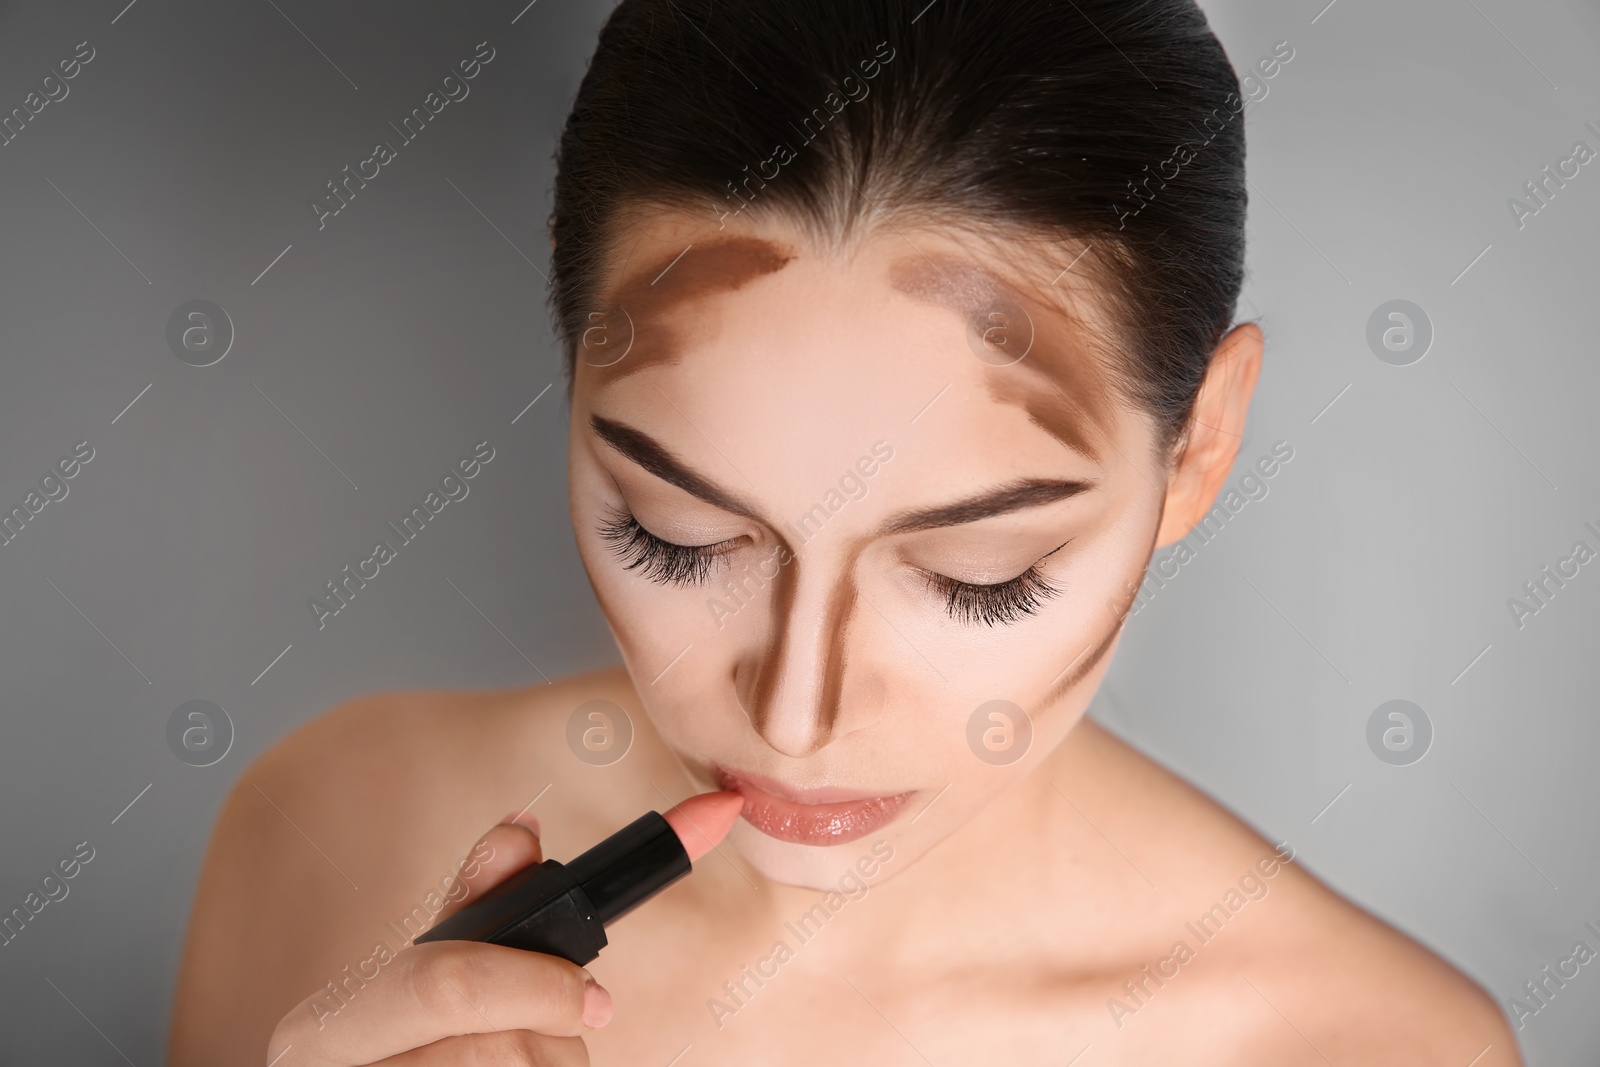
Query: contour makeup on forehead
x=1058 y=383
x=651 y=294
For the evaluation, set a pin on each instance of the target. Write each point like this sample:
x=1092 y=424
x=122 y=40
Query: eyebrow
x=650 y=454
x=1014 y=496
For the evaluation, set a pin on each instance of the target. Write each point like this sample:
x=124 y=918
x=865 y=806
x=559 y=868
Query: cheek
x=1022 y=659
x=668 y=635
x=1008 y=694
x=652 y=621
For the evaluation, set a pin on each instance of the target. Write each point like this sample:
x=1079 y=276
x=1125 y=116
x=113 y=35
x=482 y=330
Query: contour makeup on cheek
x=563 y=909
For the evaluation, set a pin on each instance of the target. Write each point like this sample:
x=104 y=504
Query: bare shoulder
x=1364 y=992
x=449 y=725
x=342 y=827
x=1299 y=973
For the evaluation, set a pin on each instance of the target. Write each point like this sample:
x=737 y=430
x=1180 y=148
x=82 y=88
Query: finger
x=522 y=817
x=498 y=854
x=441 y=989
x=505 y=1048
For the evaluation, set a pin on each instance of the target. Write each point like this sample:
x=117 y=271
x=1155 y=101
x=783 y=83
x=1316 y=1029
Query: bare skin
x=1023 y=985
x=1016 y=914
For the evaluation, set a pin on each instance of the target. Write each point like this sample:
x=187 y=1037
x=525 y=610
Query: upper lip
x=826 y=794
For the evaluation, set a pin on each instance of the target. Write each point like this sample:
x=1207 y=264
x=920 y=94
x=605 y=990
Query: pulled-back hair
x=1109 y=124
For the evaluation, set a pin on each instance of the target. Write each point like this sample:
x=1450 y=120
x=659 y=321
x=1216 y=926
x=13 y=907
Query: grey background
x=377 y=351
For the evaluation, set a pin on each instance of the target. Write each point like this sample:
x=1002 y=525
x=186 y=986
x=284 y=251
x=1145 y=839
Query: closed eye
x=659 y=560
x=668 y=563
x=1001 y=602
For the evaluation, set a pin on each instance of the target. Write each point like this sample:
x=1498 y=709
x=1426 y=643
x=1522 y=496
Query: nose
x=796 y=685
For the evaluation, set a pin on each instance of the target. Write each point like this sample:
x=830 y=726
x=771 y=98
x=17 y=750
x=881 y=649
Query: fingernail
x=596 y=1005
x=521 y=818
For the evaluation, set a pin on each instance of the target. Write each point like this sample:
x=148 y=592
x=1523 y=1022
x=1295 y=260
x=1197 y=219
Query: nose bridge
x=795 y=701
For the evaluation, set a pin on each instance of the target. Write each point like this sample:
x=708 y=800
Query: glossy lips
x=832 y=818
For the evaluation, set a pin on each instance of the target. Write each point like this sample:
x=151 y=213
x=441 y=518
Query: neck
x=997 y=887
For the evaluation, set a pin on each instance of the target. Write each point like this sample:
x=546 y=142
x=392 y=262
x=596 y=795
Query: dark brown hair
x=1111 y=123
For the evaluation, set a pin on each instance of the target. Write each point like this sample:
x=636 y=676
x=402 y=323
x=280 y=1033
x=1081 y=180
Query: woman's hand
x=456 y=1002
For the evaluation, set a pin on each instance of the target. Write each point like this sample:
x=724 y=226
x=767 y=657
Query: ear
x=1215 y=430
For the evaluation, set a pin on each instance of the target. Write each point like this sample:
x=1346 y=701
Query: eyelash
x=1003 y=602
x=669 y=563
x=660 y=561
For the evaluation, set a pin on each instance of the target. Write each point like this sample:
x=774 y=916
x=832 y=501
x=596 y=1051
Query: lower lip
x=812 y=824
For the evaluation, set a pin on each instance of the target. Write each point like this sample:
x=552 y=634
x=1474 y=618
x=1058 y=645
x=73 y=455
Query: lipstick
x=562 y=909
x=811 y=817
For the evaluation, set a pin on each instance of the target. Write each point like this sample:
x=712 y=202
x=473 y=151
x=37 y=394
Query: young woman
x=899 y=335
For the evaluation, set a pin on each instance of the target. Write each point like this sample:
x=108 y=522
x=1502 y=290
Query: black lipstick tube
x=563 y=909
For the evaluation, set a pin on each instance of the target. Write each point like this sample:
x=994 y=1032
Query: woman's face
x=862 y=522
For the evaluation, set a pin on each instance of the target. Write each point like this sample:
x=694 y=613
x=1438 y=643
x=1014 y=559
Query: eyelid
x=679 y=544
x=1002 y=581
x=658 y=559
x=714 y=515
x=1053 y=551
x=1003 y=602
x=710 y=551
x=670 y=563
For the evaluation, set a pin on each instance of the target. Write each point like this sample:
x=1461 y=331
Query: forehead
x=951 y=305
x=645 y=298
